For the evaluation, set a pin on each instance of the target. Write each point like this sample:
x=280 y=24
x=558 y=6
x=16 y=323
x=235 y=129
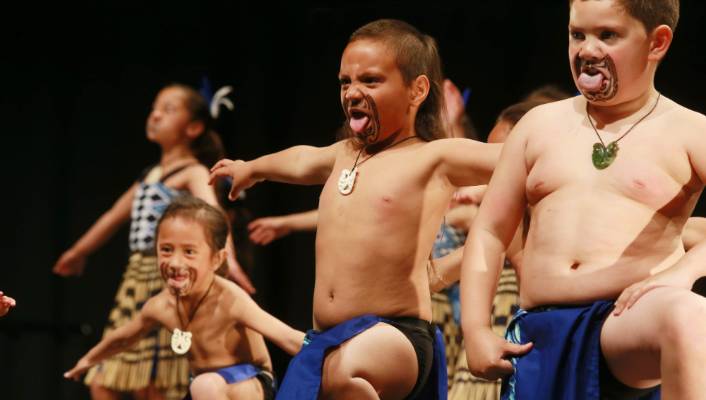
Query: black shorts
x=421 y=334
x=269 y=386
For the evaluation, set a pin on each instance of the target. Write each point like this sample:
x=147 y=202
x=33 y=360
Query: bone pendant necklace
x=181 y=340
x=346 y=180
x=602 y=155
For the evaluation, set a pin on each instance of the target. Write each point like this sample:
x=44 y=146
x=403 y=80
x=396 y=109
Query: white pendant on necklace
x=181 y=341
x=346 y=181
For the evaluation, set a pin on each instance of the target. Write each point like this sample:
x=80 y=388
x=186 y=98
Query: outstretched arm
x=248 y=313
x=265 y=230
x=466 y=162
x=304 y=165
x=117 y=341
x=491 y=233
x=73 y=260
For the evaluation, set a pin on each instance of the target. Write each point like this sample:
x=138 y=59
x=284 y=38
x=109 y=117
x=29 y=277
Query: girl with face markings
x=386 y=188
x=211 y=320
x=180 y=124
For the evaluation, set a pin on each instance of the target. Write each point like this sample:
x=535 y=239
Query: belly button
x=575 y=265
x=330 y=296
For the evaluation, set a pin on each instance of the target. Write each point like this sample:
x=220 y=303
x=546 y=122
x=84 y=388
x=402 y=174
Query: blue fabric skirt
x=303 y=378
x=565 y=360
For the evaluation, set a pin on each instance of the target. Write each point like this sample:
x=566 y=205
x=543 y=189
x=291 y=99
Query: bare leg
x=661 y=336
x=211 y=386
x=100 y=392
x=148 y=393
x=379 y=363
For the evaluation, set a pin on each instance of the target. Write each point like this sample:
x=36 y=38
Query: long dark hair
x=207 y=147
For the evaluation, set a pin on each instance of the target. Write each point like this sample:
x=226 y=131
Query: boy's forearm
x=693 y=263
x=295 y=342
x=480 y=271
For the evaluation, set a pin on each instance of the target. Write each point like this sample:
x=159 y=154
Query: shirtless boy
x=604 y=218
x=385 y=192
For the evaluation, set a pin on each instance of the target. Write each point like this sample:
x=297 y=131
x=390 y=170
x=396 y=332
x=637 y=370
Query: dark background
x=78 y=84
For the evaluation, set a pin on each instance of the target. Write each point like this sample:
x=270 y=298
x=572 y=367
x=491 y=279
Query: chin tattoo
x=606 y=67
x=372 y=132
x=167 y=272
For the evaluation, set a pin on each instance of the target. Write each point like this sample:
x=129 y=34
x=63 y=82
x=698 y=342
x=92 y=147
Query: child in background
x=212 y=320
x=180 y=124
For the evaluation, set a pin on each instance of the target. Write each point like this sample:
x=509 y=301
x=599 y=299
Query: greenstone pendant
x=603 y=156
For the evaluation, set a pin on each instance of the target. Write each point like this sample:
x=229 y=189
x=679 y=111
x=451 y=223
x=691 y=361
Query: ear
x=219 y=258
x=419 y=90
x=194 y=129
x=660 y=40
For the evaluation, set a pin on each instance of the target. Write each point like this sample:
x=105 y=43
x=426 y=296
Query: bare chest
x=647 y=168
x=384 y=187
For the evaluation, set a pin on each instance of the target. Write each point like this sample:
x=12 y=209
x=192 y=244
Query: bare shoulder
x=197 y=172
x=230 y=294
x=550 y=117
x=690 y=122
x=157 y=305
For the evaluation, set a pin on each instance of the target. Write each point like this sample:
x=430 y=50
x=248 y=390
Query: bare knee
x=345 y=386
x=208 y=386
x=685 y=324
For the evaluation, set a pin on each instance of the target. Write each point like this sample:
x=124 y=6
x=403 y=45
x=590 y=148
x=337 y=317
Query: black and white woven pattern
x=151 y=199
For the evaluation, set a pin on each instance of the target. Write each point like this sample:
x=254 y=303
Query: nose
x=155 y=115
x=591 y=50
x=353 y=94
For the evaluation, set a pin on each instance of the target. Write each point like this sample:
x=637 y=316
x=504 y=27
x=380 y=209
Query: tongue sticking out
x=359 y=124
x=590 y=83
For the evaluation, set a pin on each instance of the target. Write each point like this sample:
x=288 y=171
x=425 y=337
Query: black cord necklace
x=181 y=340
x=347 y=179
x=603 y=155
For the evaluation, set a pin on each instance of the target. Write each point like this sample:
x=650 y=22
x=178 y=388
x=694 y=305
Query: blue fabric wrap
x=303 y=378
x=565 y=359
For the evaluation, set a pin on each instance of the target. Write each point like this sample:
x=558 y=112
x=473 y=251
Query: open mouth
x=596 y=80
x=358 y=120
x=179 y=280
x=363 y=120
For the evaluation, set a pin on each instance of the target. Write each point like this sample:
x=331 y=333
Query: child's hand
x=70 y=263
x=264 y=230
x=6 y=303
x=454 y=102
x=489 y=354
x=79 y=369
x=469 y=195
x=238 y=170
x=670 y=277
